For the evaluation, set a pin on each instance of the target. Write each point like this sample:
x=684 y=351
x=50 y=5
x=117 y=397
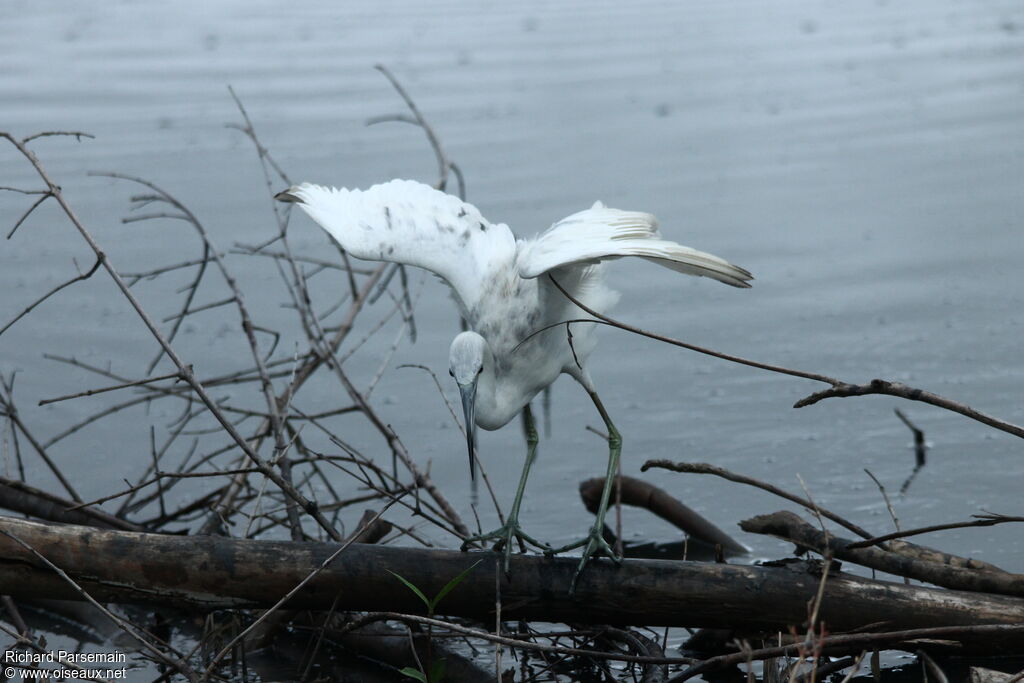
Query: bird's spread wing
x=600 y=233
x=404 y=221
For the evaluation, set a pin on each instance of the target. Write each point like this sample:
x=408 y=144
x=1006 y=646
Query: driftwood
x=212 y=572
x=896 y=546
x=20 y=497
x=642 y=494
x=791 y=527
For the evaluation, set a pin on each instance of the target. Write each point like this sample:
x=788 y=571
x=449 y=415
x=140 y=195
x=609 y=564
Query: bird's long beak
x=468 y=392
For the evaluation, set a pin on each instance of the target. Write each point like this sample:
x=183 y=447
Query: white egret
x=501 y=362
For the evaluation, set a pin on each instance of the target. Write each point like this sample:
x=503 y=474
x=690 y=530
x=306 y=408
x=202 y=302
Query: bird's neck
x=493 y=411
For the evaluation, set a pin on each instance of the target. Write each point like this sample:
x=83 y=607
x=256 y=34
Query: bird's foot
x=505 y=536
x=593 y=545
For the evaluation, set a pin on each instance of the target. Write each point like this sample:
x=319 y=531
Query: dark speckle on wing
x=387 y=218
x=506 y=313
x=483 y=227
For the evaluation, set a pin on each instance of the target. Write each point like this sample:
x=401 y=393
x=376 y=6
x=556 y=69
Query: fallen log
x=206 y=572
x=789 y=526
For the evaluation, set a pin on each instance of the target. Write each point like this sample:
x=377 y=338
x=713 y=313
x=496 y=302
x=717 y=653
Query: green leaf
x=414 y=673
x=413 y=588
x=448 y=587
x=437 y=670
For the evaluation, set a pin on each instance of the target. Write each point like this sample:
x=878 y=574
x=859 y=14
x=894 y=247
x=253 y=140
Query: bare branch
x=81 y=276
x=135 y=277
x=443 y=164
x=703 y=468
x=90 y=392
x=838 y=388
x=28 y=212
x=11 y=410
x=77 y=134
x=985 y=520
x=197 y=309
x=881 y=386
x=183 y=368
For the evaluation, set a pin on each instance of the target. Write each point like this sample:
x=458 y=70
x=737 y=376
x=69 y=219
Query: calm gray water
x=864 y=161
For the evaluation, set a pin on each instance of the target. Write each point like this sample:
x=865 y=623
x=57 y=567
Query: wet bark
x=206 y=572
x=791 y=527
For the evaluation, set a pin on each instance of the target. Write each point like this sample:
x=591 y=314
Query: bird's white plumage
x=516 y=345
x=404 y=221
x=496 y=278
x=601 y=233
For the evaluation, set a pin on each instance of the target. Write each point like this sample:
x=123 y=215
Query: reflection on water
x=863 y=161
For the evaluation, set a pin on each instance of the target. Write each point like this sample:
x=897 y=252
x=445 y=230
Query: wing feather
x=601 y=233
x=407 y=222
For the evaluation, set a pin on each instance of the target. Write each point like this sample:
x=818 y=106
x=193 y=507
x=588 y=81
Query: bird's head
x=466 y=363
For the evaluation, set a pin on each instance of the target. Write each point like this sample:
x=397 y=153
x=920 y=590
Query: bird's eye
x=452 y=374
x=480 y=370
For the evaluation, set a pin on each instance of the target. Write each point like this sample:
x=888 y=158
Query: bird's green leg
x=594 y=543
x=511 y=529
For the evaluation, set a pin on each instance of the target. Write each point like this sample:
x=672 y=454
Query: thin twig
x=443 y=164
x=989 y=520
x=197 y=309
x=881 y=386
x=77 y=134
x=288 y=596
x=703 y=468
x=274 y=407
x=11 y=411
x=28 y=211
x=81 y=276
x=838 y=387
x=91 y=392
x=183 y=368
x=885 y=497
